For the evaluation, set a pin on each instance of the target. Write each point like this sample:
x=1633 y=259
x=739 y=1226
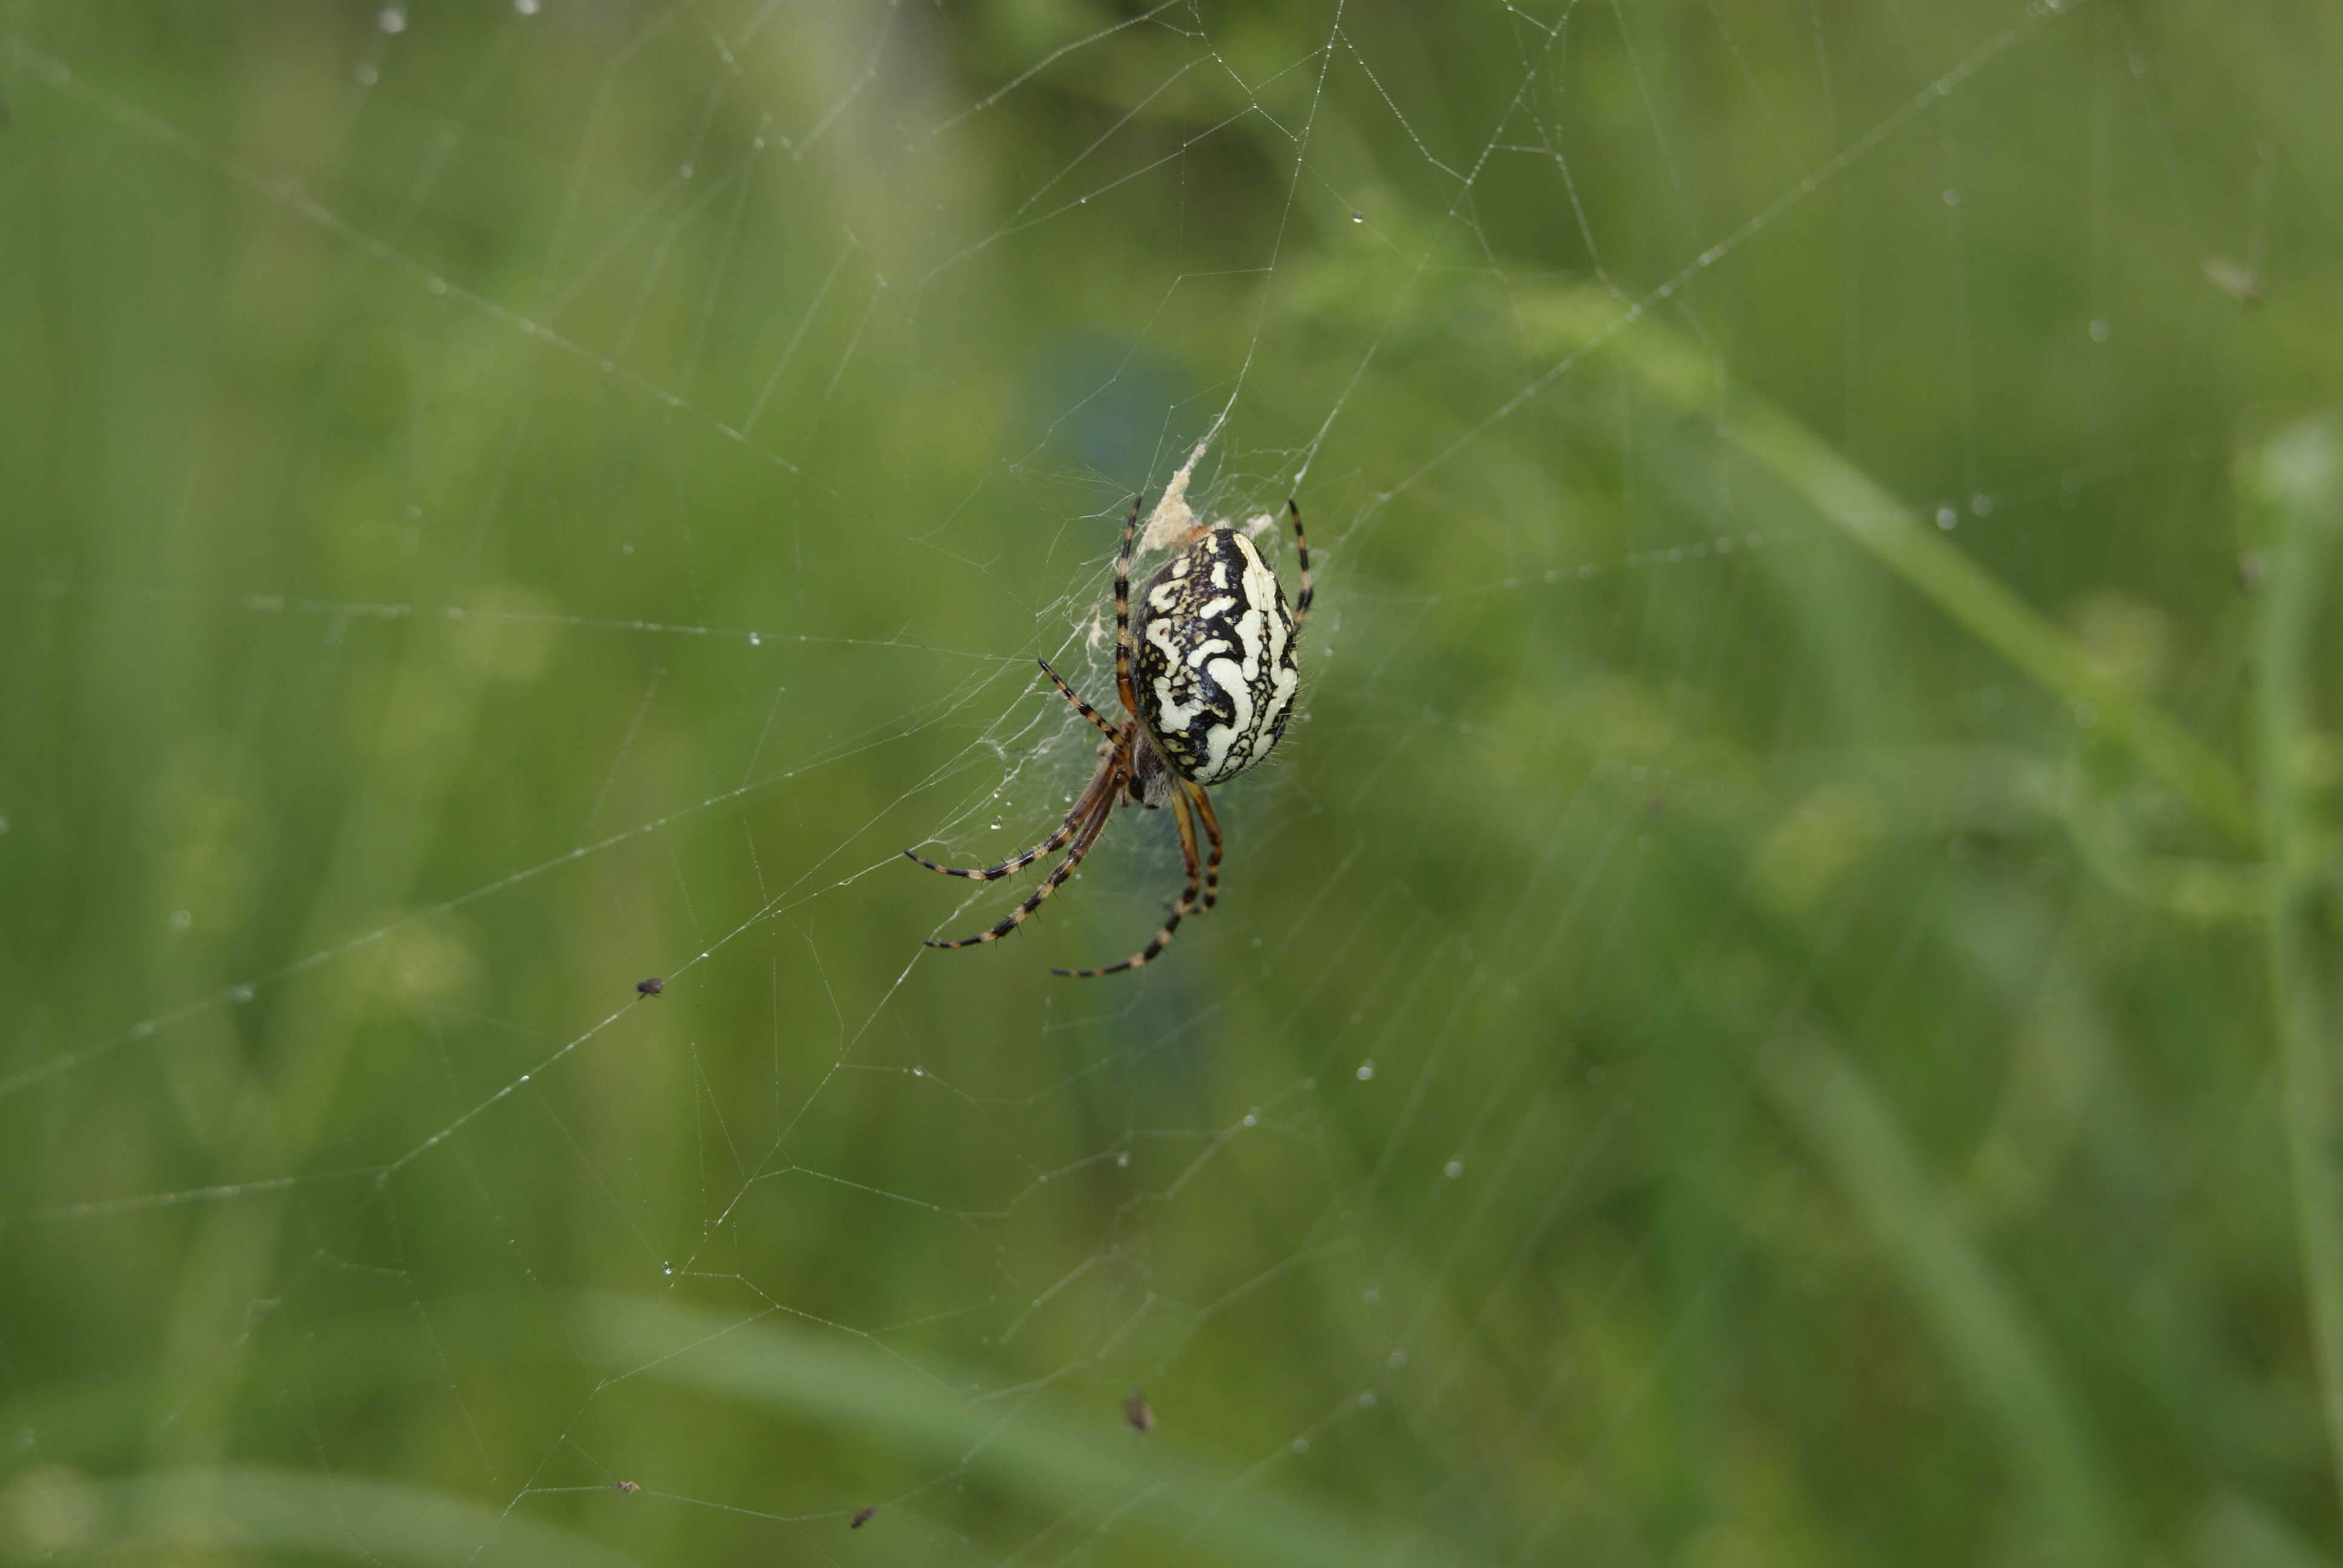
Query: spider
x=1209 y=689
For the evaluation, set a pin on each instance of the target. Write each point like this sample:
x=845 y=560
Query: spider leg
x=1212 y=824
x=1102 y=780
x=1123 y=687
x=1100 y=809
x=1301 y=550
x=1084 y=708
x=1170 y=921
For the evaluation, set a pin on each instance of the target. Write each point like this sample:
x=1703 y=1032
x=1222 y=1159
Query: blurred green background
x=1777 y=1005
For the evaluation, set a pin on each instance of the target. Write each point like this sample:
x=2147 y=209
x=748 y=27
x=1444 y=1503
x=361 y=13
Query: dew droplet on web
x=526 y=8
x=666 y=1268
x=1371 y=1295
x=1947 y=518
x=1981 y=504
x=2099 y=329
x=1367 y=1069
x=1452 y=1169
x=365 y=74
x=391 y=19
x=1122 y=1160
x=755 y=640
x=239 y=994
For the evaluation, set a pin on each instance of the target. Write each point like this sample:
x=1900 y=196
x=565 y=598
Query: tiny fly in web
x=861 y=1517
x=1137 y=1414
x=651 y=986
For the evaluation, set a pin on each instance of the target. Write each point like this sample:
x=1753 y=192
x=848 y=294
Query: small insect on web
x=1209 y=685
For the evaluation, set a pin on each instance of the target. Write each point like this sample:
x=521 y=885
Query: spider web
x=512 y=501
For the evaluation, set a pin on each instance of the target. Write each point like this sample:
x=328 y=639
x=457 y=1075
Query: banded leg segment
x=1084 y=708
x=1100 y=810
x=1170 y=921
x=1212 y=824
x=1301 y=551
x=1123 y=687
x=1048 y=846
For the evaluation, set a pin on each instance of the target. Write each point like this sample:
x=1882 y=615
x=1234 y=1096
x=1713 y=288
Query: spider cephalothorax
x=1208 y=689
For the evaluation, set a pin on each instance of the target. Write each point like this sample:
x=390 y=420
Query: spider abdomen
x=1214 y=672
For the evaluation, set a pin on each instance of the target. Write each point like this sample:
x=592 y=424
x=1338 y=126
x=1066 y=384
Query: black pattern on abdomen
x=1214 y=663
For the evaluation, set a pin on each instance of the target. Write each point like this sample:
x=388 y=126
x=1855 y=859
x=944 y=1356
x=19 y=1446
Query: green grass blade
x=249 y=1512
x=1024 y=1447
x=2238 y=1533
x=1866 y=514
x=2296 y=481
x=1845 y=1122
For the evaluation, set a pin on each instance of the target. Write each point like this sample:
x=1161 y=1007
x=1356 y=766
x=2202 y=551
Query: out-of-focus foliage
x=1777 y=1006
